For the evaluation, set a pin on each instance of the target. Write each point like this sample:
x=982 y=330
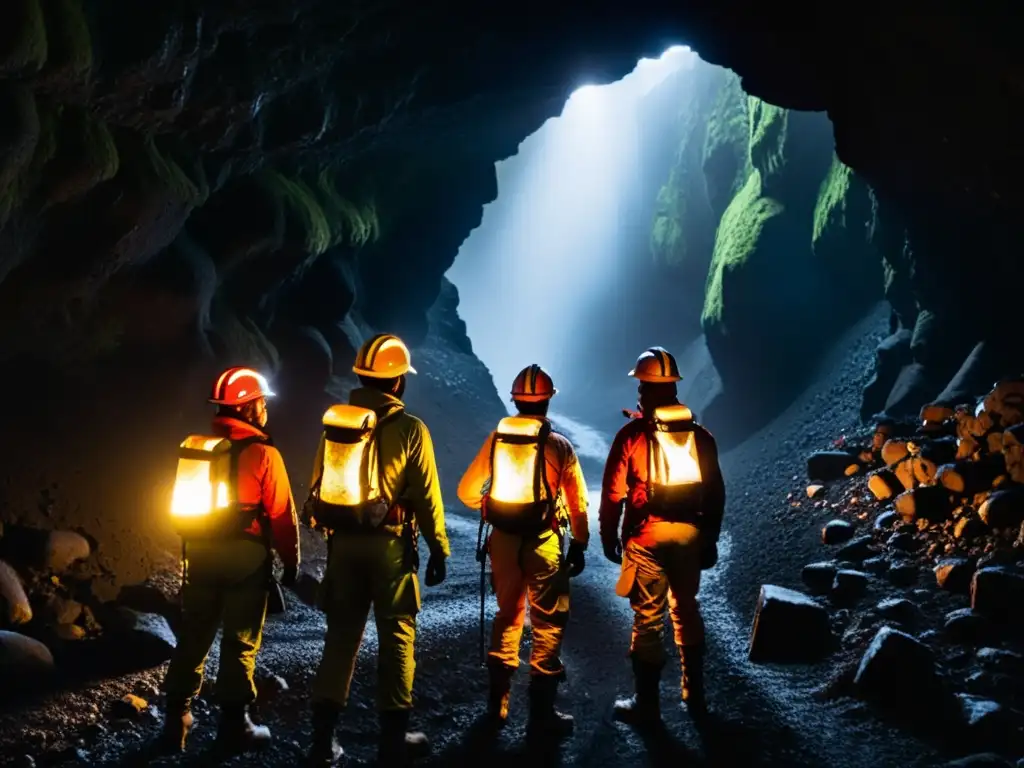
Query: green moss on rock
x=23 y=161
x=768 y=135
x=354 y=223
x=738 y=238
x=170 y=175
x=70 y=54
x=23 y=44
x=726 y=160
x=302 y=205
x=87 y=156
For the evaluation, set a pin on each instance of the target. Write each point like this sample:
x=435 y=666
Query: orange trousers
x=661 y=568
x=529 y=568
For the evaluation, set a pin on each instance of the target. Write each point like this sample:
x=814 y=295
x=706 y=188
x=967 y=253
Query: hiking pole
x=481 y=556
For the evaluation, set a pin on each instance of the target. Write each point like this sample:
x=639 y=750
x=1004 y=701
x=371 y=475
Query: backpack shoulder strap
x=540 y=469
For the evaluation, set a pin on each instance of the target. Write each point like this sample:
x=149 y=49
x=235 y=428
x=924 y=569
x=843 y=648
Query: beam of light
x=550 y=249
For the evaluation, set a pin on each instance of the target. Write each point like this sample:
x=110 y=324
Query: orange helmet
x=656 y=365
x=533 y=385
x=237 y=386
x=383 y=357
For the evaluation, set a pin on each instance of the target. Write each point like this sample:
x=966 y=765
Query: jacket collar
x=236 y=429
x=375 y=400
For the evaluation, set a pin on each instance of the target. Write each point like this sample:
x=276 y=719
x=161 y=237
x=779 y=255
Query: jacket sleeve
x=473 y=483
x=714 y=485
x=318 y=463
x=614 y=488
x=280 y=507
x=574 y=491
x=423 y=489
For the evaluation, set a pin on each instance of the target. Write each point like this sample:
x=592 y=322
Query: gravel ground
x=766 y=716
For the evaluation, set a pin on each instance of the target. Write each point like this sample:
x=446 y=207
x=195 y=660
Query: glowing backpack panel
x=519 y=500
x=673 y=467
x=350 y=495
x=203 y=493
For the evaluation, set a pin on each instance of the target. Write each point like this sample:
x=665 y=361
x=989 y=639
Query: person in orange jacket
x=663 y=469
x=228 y=576
x=526 y=551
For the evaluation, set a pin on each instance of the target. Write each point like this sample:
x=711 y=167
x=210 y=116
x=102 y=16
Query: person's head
x=532 y=391
x=254 y=412
x=394 y=386
x=657 y=372
x=655 y=394
x=241 y=393
x=382 y=363
x=534 y=408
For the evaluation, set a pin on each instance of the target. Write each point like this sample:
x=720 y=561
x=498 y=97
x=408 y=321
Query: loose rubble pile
x=53 y=629
x=922 y=597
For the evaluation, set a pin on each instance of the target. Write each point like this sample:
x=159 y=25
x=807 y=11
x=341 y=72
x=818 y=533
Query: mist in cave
x=558 y=267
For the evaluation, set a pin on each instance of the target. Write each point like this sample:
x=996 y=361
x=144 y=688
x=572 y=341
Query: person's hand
x=613 y=550
x=576 y=559
x=290 y=575
x=437 y=569
x=709 y=556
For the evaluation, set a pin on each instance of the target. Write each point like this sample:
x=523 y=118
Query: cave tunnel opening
x=668 y=208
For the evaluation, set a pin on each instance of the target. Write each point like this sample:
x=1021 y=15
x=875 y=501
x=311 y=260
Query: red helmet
x=533 y=385
x=237 y=386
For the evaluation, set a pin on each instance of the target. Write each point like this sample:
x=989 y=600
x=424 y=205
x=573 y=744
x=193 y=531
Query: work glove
x=437 y=569
x=613 y=551
x=709 y=556
x=575 y=559
x=290 y=575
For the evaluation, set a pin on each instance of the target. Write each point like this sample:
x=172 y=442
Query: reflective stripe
x=372 y=350
x=218 y=387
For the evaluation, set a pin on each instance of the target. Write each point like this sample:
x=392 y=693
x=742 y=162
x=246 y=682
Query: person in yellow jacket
x=526 y=560
x=377 y=568
x=228 y=576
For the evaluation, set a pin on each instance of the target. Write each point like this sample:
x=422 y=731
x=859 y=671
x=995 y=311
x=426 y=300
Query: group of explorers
x=375 y=490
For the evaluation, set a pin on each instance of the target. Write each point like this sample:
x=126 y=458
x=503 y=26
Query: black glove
x=575 y=559
x=437 y=569
x=288 y=578
x=709 y=556
x=613 y=551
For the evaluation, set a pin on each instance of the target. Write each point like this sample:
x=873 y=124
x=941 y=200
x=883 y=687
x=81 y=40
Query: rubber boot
x=177 y=724
x=500 y=692
x=545 y=721
x=325 y=750
x=398 y=745
x=236 y=731
x=691 y=658
x=643 y=707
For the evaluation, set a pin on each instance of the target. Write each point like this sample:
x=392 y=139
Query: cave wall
x=172 y=173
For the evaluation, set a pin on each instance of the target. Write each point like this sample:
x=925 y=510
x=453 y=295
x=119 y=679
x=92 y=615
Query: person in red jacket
x=228 y=576
x=663 y=483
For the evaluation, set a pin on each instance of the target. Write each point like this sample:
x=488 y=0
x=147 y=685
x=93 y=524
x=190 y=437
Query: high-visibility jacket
x=263 y=482
x=625 y=480
x=407 y=469
x=564 y=477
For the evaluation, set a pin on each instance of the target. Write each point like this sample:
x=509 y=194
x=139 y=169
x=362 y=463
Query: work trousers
x=364 y=571
x=227 y=588
x=529 y=567
x=661 y=566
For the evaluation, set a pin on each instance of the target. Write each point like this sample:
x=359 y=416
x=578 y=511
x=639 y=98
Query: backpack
x=204 y=503
x=519 y=501
x=349 y=495
x=674 y=487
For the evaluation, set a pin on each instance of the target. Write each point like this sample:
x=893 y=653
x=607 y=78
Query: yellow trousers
x=226 y=589
x=364 y=571
x=661 y=566
x=529 y=567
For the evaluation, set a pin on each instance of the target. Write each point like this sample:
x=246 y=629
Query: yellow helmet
x=533 y=385
x=656 y=365
x=383 y=357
